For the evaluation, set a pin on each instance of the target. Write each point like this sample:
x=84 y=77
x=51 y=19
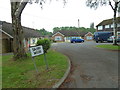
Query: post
x=78 y=23
x=45 y=61
x=34 y=64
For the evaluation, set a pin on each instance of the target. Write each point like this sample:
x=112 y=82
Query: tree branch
x=111 y=5
x=21 y=7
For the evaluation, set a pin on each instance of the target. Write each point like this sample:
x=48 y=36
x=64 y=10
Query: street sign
x=37 y=50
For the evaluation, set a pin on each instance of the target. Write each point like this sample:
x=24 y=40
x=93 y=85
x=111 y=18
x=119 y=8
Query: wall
x=6 y=44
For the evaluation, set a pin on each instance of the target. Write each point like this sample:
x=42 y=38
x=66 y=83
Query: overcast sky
x=55 y=14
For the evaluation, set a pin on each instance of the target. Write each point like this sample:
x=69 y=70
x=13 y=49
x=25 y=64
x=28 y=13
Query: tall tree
x=17 y=7
x=96 y=3
x=18 y=44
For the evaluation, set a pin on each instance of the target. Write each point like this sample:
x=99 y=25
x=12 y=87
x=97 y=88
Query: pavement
x=91 y=67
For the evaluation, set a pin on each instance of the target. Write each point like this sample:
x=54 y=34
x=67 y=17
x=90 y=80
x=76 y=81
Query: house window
x=111 y=25
x=24 y=41
x=118 y=25
x=100 y=27
x=68 y=38
x=118 y=34
x=58 y=38
x=107 y=26
x=33 y=41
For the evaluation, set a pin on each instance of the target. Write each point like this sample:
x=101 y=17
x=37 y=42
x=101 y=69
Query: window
x=100 y=27
x=33 y=41
x=111 y=25
x=118 y=34
x=58 y=38
x=118 y=25
x=68 y=38
x=107 y=26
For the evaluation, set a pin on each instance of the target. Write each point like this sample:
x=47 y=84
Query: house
x=107 y=25
x=88 y=36
x=67 y=35
x=31 y=37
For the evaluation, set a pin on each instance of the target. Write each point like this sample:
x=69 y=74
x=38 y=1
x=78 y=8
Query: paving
x=91 y=67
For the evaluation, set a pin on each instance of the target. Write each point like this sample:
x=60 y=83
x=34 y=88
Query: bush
x=45 y=43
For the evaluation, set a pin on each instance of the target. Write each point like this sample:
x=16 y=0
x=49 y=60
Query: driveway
x=91 y=67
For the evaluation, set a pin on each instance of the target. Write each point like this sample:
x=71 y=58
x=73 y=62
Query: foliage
x=45 y=43
x=92 y=30
x=44 y=32
x=22 y=73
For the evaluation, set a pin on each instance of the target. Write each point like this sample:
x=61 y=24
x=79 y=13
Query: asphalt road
x=92 y=67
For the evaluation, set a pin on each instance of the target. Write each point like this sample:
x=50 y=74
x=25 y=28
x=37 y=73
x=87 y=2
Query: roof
x=28 y=32
x=109 y=21
x=68 y=33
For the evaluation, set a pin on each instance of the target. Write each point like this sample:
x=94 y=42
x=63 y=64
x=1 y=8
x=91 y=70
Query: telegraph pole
x=78 y=23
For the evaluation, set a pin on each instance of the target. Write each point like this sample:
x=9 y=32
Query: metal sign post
x=34 y=64
x=35 y=51
x=45 y=61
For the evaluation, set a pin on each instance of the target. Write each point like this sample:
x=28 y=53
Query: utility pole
x=78 y=23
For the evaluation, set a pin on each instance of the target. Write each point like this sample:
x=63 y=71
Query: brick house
x=107 y=25
x=6 y=35
x=67 y=35
x=88 y=36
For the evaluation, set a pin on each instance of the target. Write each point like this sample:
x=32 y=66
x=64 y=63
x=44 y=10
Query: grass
x=110 y=47
x=22 y=74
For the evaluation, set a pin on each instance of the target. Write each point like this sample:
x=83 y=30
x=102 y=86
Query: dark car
x=77 y=40
x=110 y=39
x=102 y=36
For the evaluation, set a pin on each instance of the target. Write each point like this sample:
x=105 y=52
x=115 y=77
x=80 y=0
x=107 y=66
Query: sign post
x=35 y=51
x=34 y=64
x=45 y=61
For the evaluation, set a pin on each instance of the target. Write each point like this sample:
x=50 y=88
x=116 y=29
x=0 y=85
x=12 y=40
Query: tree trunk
x=115 y=26
x=18 y=44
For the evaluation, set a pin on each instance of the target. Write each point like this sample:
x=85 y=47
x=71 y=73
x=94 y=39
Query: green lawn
x=110 y=47
x=22 y=74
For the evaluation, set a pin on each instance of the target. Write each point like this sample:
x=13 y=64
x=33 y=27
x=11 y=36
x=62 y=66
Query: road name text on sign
x=37 y=50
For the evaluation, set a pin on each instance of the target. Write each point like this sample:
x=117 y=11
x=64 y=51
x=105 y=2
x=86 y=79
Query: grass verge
x=110 y=47
x=22 y=74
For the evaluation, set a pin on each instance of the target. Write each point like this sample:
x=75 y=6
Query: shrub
x=45 y=43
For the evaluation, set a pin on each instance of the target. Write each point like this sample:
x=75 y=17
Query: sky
x=55 y=14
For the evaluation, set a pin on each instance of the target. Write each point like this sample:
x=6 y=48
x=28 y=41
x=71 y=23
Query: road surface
x=91 y=67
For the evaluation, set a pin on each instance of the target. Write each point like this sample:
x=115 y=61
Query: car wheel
x=96 y=41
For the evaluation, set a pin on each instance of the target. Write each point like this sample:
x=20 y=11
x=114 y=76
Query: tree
x=96 y=3
x=17 y=7
x=18 y=45
x=44 y=32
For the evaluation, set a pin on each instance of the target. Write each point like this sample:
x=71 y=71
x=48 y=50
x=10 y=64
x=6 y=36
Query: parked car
x=77 y=40
x=110 y=39
x=102 y=36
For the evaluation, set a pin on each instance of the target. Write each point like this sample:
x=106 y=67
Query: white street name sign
x=37 y=50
